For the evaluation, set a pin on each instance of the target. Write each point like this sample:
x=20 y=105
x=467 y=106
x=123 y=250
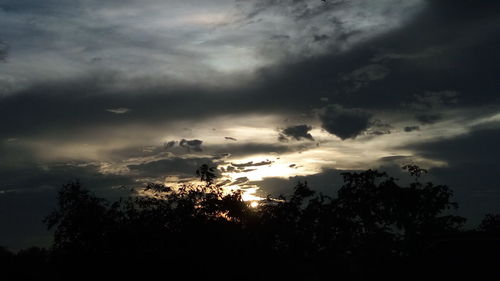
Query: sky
x=121 y=93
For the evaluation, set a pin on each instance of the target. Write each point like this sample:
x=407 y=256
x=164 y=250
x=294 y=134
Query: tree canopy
x=373 y=228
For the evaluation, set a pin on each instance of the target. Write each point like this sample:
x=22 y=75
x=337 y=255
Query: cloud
x=298 y=132
x=194 y=145
x=3 y=51
x=428 y=107
x=240 y=180
x=428 y=118
x=434 y=100
x=378 y=128
x=345 y=123
x=248 y=148
x=120 y=110
x=421 y=54
x=230 y=138
x=251 y=164
x=361 y=77
x=169 y=144
x=176 y=166
x=411 y=128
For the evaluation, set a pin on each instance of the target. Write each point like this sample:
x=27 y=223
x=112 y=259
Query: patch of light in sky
x=233 y=58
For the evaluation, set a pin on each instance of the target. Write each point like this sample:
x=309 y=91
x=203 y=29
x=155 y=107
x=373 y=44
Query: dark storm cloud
x=394 y=159
x=174 y=166
x=363 y=76
x=411 y=128
x=247 y=149
x=378 y=128
x=169 y=144
x=194 y=145
x=429 y=105
x=75 y=106
x=72 y=106
x=48 y=107
x=298 y=132
x=219 y=152
x=428 y=118
x=345 y=123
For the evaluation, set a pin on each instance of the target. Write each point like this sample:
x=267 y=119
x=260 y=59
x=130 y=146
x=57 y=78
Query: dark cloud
x=428 y=118
x=175 y=166
x=251 y=164
x=194 y=145
x=378 y=128
x=169 y=144
x=3 y=51
x=298 y=132
x=363 y=76
x=240 y=180
x=221 y=156
x=428 y=106
x=435 y=100
x=384 y=56
x=280 y=37
x=247 y=149
x=322 y=37
x=345 y=123
x=411 y=128
x=46 y=108
x=395 y=159
x=230 y=138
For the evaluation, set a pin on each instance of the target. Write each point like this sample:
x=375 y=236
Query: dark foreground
x=374 y=229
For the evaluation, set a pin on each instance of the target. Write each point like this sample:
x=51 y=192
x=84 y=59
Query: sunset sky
x=121 y=93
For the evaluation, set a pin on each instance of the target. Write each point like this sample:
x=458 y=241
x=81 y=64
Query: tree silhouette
x=490 y=224
x=374 y=228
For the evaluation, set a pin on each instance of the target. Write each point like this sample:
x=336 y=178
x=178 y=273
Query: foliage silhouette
x=490 y=224
x=374 y=228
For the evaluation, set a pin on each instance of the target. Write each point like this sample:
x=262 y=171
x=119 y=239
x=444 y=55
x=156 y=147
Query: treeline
x=374 y=229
